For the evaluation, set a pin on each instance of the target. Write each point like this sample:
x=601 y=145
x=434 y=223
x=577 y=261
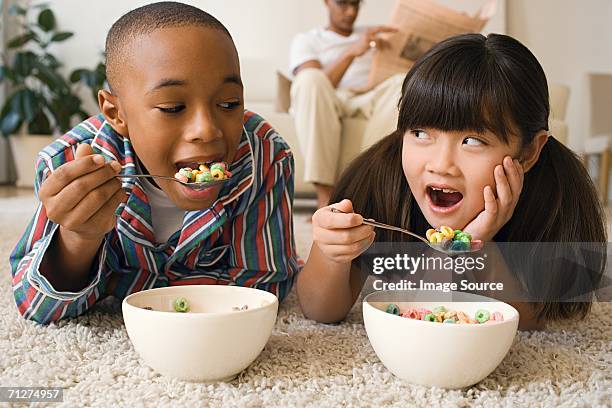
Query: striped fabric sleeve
x=263 y=248
x=35 y=297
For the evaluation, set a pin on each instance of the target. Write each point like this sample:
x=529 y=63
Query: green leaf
x=76 y=75
x=23 y=63
x=52 y=79
x=61 y=36
x=30 y=104
x=15 y=102
x=46 y=20
x=20 y=40
x=51 y=61
x=82 y=114
x=10 y=123
x=17 y=9
x=90 y=78
x=40 y=125
x=7 y=73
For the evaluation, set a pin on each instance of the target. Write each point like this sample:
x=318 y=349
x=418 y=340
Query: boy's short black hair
x=146 y=19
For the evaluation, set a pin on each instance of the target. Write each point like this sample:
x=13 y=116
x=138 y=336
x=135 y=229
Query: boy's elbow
x=33 y=317
x=28 y=313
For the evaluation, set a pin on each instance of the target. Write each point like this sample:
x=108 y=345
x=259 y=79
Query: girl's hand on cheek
x=341 y=237
x=509 y=183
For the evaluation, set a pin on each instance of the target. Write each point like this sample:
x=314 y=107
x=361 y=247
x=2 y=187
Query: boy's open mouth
x=443 y=197
x=194 y=163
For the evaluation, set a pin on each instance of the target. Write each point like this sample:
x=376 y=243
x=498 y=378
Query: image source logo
x=516 y=271
x=411 y=264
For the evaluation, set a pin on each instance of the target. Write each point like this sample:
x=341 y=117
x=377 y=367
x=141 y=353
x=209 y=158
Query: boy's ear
x=109 y=107
x=531 y=153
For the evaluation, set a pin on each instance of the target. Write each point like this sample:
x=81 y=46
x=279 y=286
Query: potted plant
x=41 y=103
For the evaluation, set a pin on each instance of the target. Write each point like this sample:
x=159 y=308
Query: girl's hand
x=508 y=183
x=341 y=237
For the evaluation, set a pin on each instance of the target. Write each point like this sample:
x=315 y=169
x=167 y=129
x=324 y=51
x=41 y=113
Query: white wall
x=262 y=30
x=570 y=38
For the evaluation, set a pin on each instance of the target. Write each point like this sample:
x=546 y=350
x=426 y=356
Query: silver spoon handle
x=374 y=223
x=146 y=176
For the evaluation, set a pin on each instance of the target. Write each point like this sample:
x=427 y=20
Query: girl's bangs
x=467 y=95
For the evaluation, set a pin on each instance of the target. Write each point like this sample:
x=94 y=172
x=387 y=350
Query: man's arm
x=336 y=70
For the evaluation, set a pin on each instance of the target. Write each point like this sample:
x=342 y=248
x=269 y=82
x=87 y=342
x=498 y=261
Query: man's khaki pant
x=318 y=108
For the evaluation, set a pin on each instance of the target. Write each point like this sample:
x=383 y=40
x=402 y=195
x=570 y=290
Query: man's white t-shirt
x=326 y=47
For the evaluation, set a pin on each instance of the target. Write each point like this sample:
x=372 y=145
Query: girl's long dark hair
x=477 y=83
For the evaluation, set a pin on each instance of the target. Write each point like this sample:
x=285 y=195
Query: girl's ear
x=531 y=153
x=109 y=107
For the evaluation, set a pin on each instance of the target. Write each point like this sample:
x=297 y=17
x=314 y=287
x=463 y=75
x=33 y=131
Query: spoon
x=193 y=186
x=475 y=246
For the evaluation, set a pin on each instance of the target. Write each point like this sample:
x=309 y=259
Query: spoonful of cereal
x=443 y=239
x=205 y=176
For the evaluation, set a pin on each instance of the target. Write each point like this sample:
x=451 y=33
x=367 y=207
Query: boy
x=175 y=100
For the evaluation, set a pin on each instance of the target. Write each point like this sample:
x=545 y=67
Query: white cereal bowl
x=438 y=354
x=209 y=343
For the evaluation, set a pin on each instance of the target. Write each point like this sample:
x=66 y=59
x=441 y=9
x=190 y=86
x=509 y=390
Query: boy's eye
x=229 y=105
x=472 y=141
x=172 y=109
x=420 y=134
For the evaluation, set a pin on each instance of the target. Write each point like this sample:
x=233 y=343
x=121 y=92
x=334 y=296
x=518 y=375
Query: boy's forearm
x=324 y=288
x=67 y=261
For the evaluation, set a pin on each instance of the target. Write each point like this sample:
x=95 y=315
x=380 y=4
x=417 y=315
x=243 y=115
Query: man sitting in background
x=331 y=65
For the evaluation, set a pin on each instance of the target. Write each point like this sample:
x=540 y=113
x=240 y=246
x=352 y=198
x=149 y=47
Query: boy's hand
x=83 y=195
x=341 y=237
x=509 y=178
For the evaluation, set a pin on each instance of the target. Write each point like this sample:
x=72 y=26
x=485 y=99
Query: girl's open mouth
x=443 y=199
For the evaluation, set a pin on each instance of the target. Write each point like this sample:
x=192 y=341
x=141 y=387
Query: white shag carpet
x=303 y=364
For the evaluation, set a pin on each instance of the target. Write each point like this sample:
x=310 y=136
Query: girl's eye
x=420 y=134
x=229 y=105
x=172 y=109
x=472 y=141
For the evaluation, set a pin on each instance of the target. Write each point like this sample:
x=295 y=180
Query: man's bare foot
x=324 y=193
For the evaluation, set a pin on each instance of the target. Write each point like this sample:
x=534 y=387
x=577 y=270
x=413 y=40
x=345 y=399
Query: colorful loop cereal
x=204 y=173
x=455 y=240
x=441 y=314
x=217 y=174
x=451 y=314
x=430 y=317
x=181 y=305
x=411 y=314
x=393 y=309
x=497 y=316
x=438 y=309
x=482 y=315
x=204 y=177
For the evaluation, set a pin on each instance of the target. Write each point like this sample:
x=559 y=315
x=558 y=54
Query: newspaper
x=421 y=24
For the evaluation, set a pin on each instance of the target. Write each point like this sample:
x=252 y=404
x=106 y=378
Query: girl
x=471 y=150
